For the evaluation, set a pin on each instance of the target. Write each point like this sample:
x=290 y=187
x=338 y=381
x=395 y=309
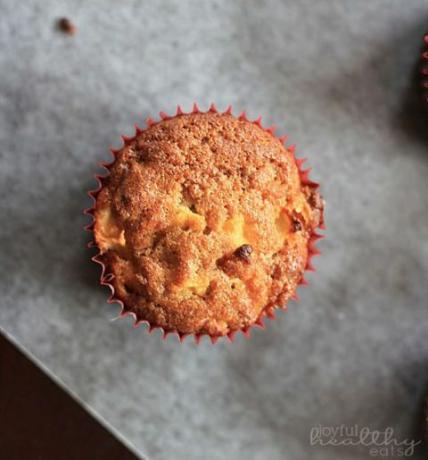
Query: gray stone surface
x=336 y=76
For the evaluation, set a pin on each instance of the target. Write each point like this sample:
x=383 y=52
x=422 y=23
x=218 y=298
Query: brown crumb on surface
x=195 y=222
x=66 y=26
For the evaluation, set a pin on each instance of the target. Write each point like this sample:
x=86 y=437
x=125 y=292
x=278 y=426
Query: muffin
x=425 y=69
x=204 y=224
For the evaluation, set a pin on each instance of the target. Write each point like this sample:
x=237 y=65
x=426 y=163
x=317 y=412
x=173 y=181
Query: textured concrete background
x=336 y=76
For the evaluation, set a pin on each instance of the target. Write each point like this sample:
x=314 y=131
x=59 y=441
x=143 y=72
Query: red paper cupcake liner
x=106 y=278
x=425 y=69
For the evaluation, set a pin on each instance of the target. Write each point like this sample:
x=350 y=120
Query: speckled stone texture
x=337 y=77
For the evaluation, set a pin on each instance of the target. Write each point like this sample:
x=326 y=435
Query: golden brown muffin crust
x=204 y=223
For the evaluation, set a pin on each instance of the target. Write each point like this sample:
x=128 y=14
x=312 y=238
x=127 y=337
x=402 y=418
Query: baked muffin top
x=204 y=223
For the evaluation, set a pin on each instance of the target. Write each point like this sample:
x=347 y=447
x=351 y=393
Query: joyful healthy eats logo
x=378 y=443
